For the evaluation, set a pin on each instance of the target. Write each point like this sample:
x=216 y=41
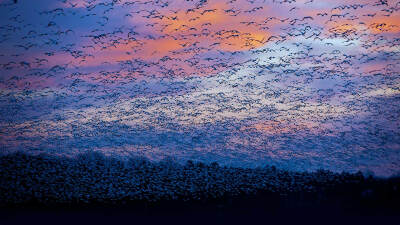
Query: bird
x=155 y=67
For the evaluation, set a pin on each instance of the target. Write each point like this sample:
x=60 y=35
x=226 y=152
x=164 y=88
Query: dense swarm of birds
x=298 y=84
x=92 y=178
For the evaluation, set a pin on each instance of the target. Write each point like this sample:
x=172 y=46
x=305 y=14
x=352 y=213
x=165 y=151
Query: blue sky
x=302 y=85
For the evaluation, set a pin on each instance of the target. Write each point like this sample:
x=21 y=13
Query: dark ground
x=93 y=189
x=250 y=211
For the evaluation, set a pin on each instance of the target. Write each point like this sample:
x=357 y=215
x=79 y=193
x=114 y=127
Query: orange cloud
x=212 y=25
x=282 y=127
x=385 y=24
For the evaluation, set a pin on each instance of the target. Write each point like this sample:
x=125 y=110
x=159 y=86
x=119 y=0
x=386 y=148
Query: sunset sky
x=296 y=84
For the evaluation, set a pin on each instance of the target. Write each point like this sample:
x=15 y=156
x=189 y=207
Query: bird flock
x=299 y=84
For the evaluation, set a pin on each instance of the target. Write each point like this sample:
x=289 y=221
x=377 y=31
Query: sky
x=299 y=84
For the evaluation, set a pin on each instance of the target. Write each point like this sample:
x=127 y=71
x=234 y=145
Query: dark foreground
x=92 y=188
